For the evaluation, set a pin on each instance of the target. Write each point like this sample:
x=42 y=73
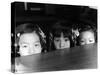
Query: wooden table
x=80 y=57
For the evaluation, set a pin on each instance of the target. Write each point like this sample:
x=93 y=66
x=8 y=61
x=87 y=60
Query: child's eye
x=57 y=40
x=24 y=46
x=82 y=41
x=37 y=45
x=90 y=40
x=66 y=39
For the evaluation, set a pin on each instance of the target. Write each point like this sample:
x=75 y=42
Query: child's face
x=87 y=37
x=61 y=42
x=29 y=44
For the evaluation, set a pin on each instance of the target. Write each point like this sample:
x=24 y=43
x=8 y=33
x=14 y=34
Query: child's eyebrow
x=37 y=41
x=23 y=43
x=66 y=37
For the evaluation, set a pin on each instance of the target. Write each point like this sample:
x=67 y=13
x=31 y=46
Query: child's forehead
x=87 y=32
x=29 y=37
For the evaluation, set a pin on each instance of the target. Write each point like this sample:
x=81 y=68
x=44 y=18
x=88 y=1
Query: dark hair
x=29 y=28
x=61 y=27
x=66 y=32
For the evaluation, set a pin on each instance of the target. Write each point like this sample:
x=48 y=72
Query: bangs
x=57 y=33
x=66 y=33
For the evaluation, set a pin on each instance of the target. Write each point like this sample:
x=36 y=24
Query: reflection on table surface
x=80 y=57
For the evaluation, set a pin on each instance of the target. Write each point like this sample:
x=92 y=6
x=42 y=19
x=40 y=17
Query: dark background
x=46 y=14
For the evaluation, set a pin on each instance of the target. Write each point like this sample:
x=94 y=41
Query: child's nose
x=86 y=42
x=32 y=50
x=62 y=44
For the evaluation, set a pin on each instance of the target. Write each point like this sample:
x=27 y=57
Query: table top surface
x=80 y=57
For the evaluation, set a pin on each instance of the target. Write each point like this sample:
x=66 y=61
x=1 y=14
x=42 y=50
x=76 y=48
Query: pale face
x=61 y=42
x=29 y=44
x=87 y=37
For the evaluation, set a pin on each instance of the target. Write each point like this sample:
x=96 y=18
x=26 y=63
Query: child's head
x=30 y=40
x=87 y=35
x=62 y=36
x=61 y=40
x=29 y=43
